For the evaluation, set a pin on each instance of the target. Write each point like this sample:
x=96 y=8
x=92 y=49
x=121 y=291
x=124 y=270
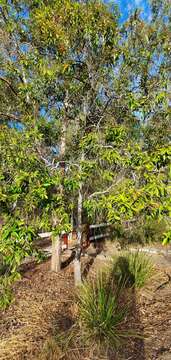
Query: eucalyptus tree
x=84 y=113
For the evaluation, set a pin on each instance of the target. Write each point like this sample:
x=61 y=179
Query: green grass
x=132 y=269
x=101 y=319
x=100 y=313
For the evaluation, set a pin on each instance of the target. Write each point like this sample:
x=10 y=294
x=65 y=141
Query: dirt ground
x=43 y=301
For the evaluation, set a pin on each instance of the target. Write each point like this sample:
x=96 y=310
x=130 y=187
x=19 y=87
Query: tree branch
x=9 y=84
x=106 y=190
x=10 y=117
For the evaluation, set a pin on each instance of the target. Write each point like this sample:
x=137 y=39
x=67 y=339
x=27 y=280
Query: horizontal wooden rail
x=96 y=237
x=94 y=226
x=45 y=235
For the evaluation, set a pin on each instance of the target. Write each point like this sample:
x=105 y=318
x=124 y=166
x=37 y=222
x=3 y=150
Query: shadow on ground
x=133 y=347
x=98 y=247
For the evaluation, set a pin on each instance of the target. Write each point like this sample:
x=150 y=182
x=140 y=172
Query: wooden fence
x=90 y=233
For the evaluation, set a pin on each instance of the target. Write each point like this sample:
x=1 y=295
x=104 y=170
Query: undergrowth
x=132 y=269
x=100 y=320
x=51 y=350
x=141 y=232
x=100 y=313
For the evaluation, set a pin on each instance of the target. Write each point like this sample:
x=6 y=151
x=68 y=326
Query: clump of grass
x=132 y=269
x=101 y=319
x=50 y=350
x=6 y=294
x=100 y=314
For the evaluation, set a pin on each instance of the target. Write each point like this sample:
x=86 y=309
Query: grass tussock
x=51 y=350
x=99 y=320
x=132 y=269
x=101 y=316
x=100 y=312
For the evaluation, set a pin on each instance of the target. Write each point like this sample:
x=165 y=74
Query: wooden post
x=56 y=254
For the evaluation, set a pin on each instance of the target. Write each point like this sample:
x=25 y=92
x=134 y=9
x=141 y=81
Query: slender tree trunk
x=63 y=139
x=56 y=254
x=62 y=154
x=80 y=205
x=72 y=219
x=64 y=127
x=25 y=83
x=77 y=262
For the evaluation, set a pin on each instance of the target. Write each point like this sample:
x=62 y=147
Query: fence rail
x=68 y=238
x=94 y=226
x=69 y=241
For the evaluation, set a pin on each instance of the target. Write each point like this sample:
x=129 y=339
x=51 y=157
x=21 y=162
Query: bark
x=9 y=85
x=62 y=155
x=25 y=83
x=63 y=139
x=64 y=127
x=56 y=254
x=77 y=262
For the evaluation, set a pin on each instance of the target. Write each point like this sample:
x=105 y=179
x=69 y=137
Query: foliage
x=16 y=243
x=167 y=237
x=141 y=231
x=28 y=189
x=6 y=282
x=132 y=269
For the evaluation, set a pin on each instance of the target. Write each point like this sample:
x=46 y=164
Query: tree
x=91 y=109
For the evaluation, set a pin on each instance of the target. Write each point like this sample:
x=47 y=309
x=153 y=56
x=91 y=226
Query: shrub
x=6 y=295
x=100 y=314
x=132 y=269
x=141 y=232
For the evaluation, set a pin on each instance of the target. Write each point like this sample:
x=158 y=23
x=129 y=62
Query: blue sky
x=128 y=6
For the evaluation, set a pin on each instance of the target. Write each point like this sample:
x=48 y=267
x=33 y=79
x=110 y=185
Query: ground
x=44 y=303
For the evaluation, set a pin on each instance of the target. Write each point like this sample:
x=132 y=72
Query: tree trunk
x=63 y=139
x=64 y=128
x=77 y=262
x=56 y=254
x=62 y=155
